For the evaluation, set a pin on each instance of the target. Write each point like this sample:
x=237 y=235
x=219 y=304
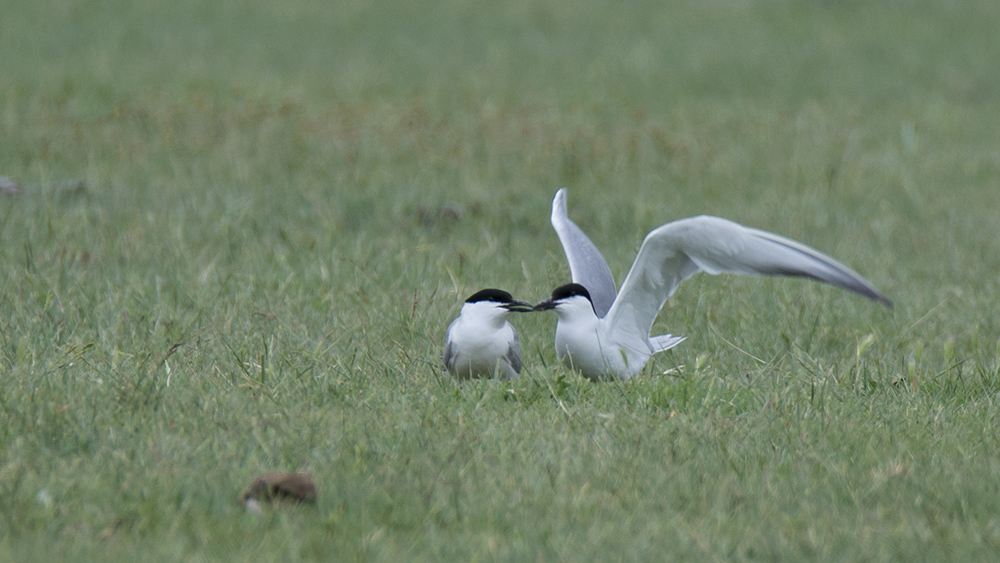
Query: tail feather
x=665 y=342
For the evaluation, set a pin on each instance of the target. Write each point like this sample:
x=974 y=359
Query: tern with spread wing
x=481 y=342
x=603 y=333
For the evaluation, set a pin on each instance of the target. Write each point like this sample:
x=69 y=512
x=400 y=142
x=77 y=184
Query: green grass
x=244 y=226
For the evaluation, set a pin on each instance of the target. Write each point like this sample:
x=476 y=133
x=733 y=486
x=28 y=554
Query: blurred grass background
x=242 y=228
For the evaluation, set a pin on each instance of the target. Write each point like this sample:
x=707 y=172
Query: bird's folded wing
x=447 y=358
x=514 y=354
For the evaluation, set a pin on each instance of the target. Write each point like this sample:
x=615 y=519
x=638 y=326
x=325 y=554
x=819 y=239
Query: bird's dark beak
x=546 y=305
x=519 y=307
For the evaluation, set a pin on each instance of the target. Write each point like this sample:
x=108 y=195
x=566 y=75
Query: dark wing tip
x=849 y=283
x=884 y=300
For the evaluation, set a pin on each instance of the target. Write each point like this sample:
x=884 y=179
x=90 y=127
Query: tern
x=480 y=342
x=605 y=334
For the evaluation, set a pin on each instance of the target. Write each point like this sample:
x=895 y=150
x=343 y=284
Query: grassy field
x=242 y=228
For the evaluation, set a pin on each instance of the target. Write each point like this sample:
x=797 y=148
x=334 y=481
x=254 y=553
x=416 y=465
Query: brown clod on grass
x=277 y=486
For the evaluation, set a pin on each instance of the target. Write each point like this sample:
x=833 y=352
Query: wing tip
x=559 y=206
x=882 y=299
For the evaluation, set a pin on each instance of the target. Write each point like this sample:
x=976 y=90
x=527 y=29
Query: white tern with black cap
x=481 y=342
x=603 y=333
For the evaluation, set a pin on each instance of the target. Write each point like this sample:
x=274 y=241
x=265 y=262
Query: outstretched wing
x=586 y=264
x=678 y=250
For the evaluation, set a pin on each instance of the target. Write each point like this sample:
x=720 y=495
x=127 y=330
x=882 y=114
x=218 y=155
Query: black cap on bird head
x=570 y=290
x=495 y=295
x=500 y=297
x=564 y=292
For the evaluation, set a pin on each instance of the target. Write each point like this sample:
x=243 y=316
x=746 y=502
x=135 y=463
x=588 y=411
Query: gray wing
x=586 y=264
x=676 y=251
x=446 y=355
x=514 y=354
